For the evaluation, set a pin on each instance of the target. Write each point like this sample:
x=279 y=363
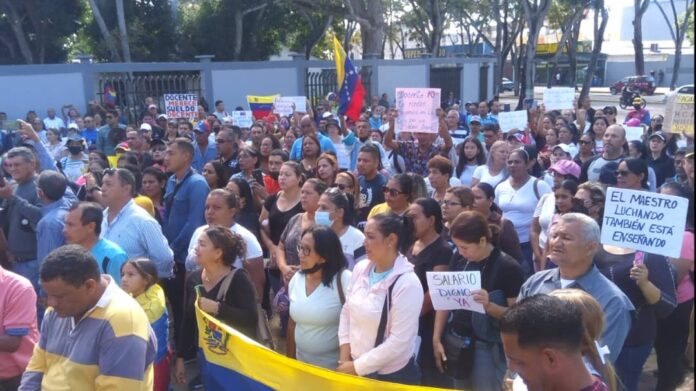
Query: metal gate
x=133 y=88
x=319 y=84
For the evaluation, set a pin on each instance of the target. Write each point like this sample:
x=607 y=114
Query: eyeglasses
x=621 y=173
x=303 y=250
x=343 y=187
x=391 y=192
x=450 y=203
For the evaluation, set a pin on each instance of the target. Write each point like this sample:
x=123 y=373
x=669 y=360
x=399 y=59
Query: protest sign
x=283 y=105
x=243 y=119
x=417 y=109
x=644 y=221
x=509 y=120
x=454 y=290
x=634 y=132
x=181 y=105
x=559 y=98
x=679 y=114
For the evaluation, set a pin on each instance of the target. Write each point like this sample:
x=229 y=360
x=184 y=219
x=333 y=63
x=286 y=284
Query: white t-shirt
x=518 y=205
x=483 y=175
x=352 y=242
x=316 y=319
x=343 y=154
x=253 y=248
x=467 y=174
x=430 y=190
x=545 y=209
x=55 y=123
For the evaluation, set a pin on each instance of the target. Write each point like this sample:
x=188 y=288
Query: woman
x=632 y=174
x=471 y=155
x=591 y=196
x=277 y=210
x=154 y=183
x=517 y=197
x=398 y=195
x=287 y=255
x=586 y=145
x=563 y=196
x=311 y=149
x=484 y=203
x=268 y=144
x=599 y=126
x=348 y=183
x=658 y=160
x=429 y=253
x=457 y=199
x=337 y=210
x=636 y=149
x=214 y=174
x=248 y=158
x=468 y=343
x=55 y=145
x=551 y=137
x=327 y=168
x=217 y=250
x=317 y=293
x=610 y=114
x=246 y=212
x=566 y=136
x=378 y=328
x=343 y=142
x=288 y=139
x=493 y=172
x=673 y=330
x=440 y=172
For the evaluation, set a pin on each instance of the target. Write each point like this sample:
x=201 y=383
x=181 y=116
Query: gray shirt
x=617 y=307
x=21 y=214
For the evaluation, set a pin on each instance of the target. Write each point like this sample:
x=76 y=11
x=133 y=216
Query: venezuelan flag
x=261 y=106
x=109 y=94
x=230 y=361
x=351 y=93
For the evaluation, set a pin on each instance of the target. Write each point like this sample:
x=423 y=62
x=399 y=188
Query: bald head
x=452 y=119
x=307 y=125
x=620 y=131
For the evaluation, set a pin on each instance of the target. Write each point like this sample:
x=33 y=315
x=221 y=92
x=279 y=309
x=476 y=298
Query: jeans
x=630 y=363
x=30 y=271
x=409 y=374
x=488 y=371
x=527 y=263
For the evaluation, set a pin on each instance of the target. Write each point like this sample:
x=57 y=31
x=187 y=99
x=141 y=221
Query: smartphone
x=257 y=174
x=9 y=124
x=2 y=181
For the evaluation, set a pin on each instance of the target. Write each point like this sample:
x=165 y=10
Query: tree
x=678 y=31
x=600 y=12
x=639 y=9
x=564 y=15
x=428 y=20
x=509 y=20
x=123 y=31
x=535 y=12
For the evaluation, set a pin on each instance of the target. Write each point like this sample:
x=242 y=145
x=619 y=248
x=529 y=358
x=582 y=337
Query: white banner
x=181 y=105
x=417 y=109
x=634 y=133
x=243 y=119
x=509 y=120
x=559 y=98
x=283 y=105
x=454 y=290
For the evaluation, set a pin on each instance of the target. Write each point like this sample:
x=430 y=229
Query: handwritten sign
x=454 y=290
x=559 y=98
x=679 y=114
x=509 y=120
x=283 y=105
x=644 y=221
x=243 y=119
x=634 y=132
x=417 y=109
x=181 y=105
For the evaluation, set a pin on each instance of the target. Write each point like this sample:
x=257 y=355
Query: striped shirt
x=139 y=235
x=111 y=347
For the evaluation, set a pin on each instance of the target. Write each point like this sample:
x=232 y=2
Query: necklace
x=207 y=278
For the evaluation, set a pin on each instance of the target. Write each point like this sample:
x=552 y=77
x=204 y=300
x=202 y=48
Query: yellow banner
x=679 y=114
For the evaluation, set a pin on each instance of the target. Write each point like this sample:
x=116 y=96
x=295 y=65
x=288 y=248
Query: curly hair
x=231 y=244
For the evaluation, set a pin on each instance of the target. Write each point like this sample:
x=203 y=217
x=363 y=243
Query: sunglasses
x=583 y=142
x=303 y=250
x=391 y=192
x=342 y=187
x=621 y=173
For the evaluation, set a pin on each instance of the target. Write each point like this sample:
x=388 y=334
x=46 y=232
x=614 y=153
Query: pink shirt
x=685 y=288
x=362 y=311
x=18 y=317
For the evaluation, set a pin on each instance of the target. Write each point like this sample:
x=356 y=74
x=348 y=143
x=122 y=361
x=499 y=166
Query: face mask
x=74 y=150
x=322 y=218
x=637 y=107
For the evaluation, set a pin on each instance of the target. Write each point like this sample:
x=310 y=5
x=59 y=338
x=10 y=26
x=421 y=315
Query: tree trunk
x=678 y=32
x=123 y=31
x=598 y=39
x=572 y=44
x=370 y=16
x=535 y=14
x=108 y=39
x=238 y=34
x=567 y=29
x=16 y=25
x=639 y=8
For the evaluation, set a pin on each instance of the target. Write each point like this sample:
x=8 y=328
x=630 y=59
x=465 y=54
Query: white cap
x=146 y=127
x=564 y=147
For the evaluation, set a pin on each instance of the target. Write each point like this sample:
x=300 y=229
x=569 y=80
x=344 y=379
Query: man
x=689 y=167
x=257 y=133
x=184 y=202
x=94 y=336
x=364 y=133
x=614 y=139
x=220 y=112
x=49 y=230
x=90 y=132
x=376 y=118
x=135 y=140
x=111 y=134
x=586 y=106
x=495 y=110
x=543 y=341
x=475 y=122
x=82 y=226
x=484 y=114
x=680 y=173
x=18 y=333
x=370 y=181
x=186 y=129
x=152 y=110
x=227 y=142
x=639 y=112
x=203 y=150
x=156 y=131
x=458 y=133
x=275 y=160
x=573 y=242
x=308 y=127
x=658 y=160
x=163 y=122
x=491 y=134
x=53 y=122
x=130 y=226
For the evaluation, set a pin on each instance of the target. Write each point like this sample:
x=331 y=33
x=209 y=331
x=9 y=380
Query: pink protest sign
x=417 y=109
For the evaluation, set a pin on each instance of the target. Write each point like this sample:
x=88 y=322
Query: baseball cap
x=162 y=116
x=75 y=137
x=146 y=127
x=564 y=147
x=123 y=146
x=157 y=141
x=202 y=127
x=633 y=122
x=659 y=134
x=637 y=101
x=519 y=136
x=566 y=167
x=73 y=126
x=475 y=118
x=152 y=107
x=327 y=114
x=333 y=122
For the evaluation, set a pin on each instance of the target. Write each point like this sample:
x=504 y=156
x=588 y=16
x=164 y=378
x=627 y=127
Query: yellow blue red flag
x=351 y=93
x=232 y=361
x=261 y=106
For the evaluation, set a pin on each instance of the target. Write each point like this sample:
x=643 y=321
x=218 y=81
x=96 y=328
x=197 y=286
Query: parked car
x=685 y=89
x=644 y=84
x=507 y=84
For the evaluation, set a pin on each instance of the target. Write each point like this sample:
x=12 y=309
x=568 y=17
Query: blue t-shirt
x=90 y=135
x=325 y=144
x=110 y=258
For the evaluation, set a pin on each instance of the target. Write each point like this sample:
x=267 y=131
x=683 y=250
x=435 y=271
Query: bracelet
x=217 y=309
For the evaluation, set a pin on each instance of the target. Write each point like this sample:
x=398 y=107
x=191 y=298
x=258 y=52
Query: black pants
x=174 y=290
x=670 y=346
x=10 y=384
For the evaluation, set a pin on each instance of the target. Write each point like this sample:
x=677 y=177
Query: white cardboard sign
x=417 y=109
x=243 y=119
x=644 y=221
x=509 y=120
x=181 y=105
x=454 y=290
x=283 y=105
x=634 y=132
x=559 y=98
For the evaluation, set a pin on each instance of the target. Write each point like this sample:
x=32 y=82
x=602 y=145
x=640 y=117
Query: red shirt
x=271 y=184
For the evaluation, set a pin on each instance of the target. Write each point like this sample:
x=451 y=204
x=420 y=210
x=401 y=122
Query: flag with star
x=351 y=93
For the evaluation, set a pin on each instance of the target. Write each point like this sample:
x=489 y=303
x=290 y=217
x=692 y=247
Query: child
x=139 y=278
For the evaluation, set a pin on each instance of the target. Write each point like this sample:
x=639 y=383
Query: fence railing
x=319 y=84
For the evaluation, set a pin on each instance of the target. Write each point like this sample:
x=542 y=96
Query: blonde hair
x=593 y=324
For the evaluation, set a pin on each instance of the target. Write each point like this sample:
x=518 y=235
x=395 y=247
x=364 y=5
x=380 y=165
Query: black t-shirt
x=277 y=219
x=499 y=272
x=663 y=167
x=231 y=165
x=370 y=194
x=435 y=254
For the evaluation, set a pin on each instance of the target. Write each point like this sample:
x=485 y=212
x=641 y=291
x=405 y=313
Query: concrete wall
x=232 y=86
x=39 y=92
x=391 y=77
